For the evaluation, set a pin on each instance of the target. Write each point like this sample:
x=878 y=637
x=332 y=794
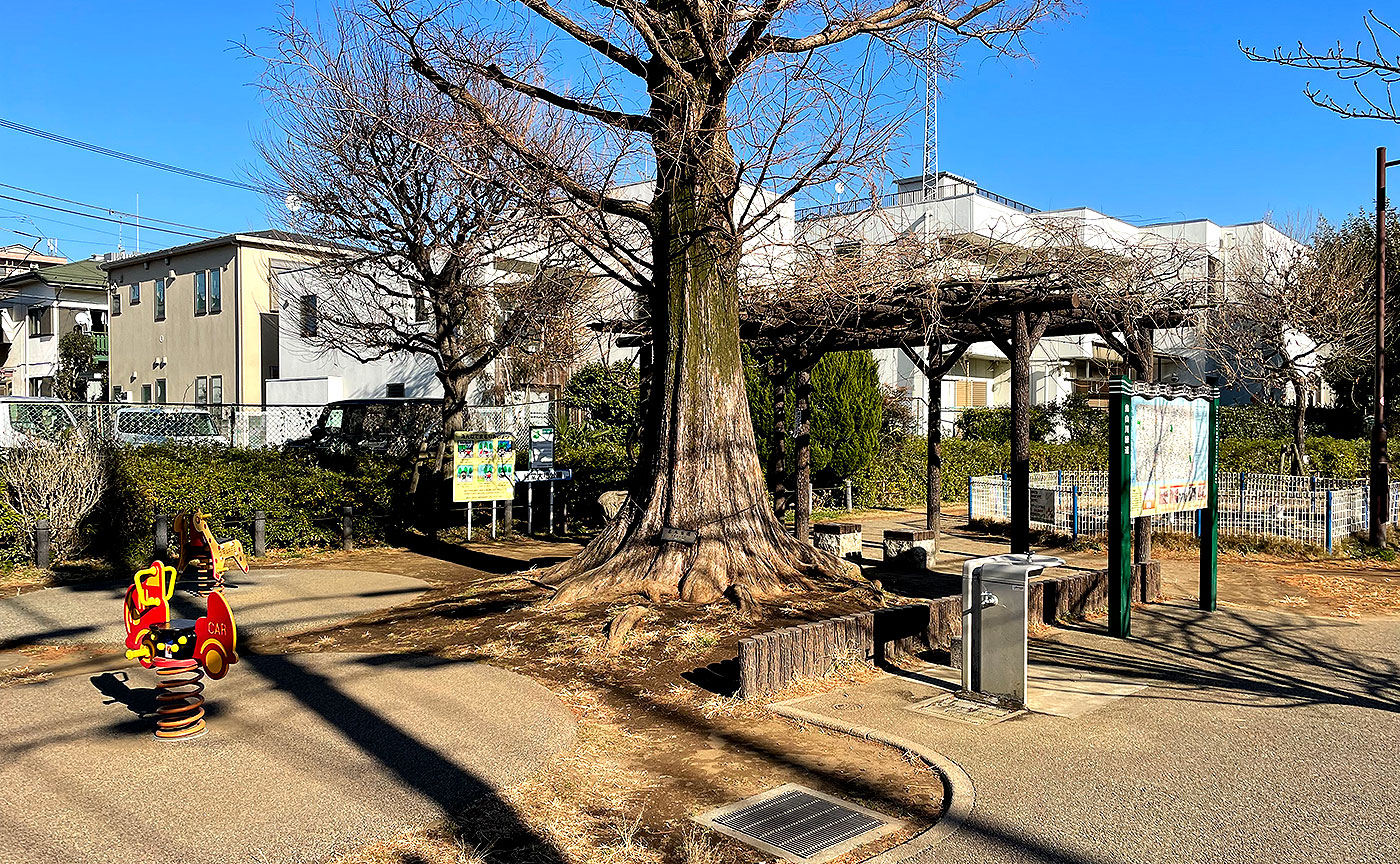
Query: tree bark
x=933 y=507
x=1021 y=347
x=698 y=468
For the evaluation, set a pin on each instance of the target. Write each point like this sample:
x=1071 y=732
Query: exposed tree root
x=744 y=561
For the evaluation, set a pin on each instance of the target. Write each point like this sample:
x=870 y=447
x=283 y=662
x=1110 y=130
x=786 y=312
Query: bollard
x=259 y=533
x=850 y=499
x=347 y=527
x=43 y=547
x=529 y=509
x=551 y=508
x=162 y=536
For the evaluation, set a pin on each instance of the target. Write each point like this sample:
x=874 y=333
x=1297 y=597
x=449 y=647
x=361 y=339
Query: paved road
x=266 y=601
x=1262 y=737
x=306 y=757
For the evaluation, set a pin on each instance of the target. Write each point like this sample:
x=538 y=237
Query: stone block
x=841 y=539
x=910 y=550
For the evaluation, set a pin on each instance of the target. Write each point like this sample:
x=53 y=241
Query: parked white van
x=26 y=419
x=164 y=424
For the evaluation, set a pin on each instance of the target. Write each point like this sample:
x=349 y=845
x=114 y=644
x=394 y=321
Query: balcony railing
x=99 y=345
x=894 y=199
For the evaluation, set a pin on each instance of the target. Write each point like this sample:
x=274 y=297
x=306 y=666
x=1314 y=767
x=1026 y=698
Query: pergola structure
x=943 y=294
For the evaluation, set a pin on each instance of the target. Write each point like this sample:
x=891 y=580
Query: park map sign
x=483 y=467
x=1161 y=459
x=1170 y=464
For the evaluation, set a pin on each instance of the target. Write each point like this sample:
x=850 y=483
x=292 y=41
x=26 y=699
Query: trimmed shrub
x=896 y=477
x=994 y=424
x=599 y=463
x=302 y=499
x=607 y=397
x=848 y=408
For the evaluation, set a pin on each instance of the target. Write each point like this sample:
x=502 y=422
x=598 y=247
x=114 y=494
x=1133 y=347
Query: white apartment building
x=1060 y=366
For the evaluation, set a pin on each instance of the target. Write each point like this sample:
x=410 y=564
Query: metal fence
x=1318 y=511
x=251 y=426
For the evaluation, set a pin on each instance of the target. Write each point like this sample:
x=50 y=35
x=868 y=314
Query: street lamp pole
x=1380 y=464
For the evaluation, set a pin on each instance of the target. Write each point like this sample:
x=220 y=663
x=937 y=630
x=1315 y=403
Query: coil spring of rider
x=179 y=699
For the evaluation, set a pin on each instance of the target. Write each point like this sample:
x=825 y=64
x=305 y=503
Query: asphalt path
x=1260 y=737
x=306 y=756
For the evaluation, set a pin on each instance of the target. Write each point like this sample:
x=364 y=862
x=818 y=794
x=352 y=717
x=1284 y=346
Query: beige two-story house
x=198 y=323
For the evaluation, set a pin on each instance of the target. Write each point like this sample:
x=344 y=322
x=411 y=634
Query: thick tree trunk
x=698 y=469
x=1021 y=347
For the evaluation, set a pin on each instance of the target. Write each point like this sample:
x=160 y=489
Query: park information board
x=1161 y=459
x=483 y=467
x=1170 y=461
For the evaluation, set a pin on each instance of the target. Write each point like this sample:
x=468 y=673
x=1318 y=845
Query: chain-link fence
x=252 y=426
x=1318 y=511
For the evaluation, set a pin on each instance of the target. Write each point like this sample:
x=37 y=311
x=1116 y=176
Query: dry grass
x=1351 y=596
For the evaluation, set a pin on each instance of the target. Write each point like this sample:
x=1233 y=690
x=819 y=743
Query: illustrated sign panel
x=1043 y=506
x=542 y=447
x=483 y=467
x=1170 y=455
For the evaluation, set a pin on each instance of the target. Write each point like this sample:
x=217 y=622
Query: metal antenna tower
x=930 y=112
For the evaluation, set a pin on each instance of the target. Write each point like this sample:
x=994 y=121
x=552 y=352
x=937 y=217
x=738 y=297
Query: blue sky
x=1142 y=110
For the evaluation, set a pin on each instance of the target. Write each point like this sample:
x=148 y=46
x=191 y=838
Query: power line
x=103 y=218
x=139 y=160
x=144 y=220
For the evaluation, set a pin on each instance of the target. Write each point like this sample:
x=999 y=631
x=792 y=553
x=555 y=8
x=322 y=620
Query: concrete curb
x=959 y=793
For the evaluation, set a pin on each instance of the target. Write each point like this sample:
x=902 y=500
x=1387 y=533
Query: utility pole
x=1380 y=464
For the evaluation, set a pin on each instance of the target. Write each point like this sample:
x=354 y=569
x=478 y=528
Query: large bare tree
x=1293 y=313
x=728 y=111
x=449 y=255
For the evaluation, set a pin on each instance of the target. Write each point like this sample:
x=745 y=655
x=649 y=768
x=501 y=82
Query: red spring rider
x=180 y=650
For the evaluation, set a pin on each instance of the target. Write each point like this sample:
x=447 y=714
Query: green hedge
x=896 y=477
x=301 y=498
x=599 y=464
x=1329 y=457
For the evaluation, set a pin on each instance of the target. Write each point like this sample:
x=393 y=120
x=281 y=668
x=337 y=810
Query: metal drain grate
x=797 y=821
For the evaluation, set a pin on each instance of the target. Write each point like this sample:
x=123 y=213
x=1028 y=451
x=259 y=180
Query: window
x=216 y=293
x=41 y=386
x=160 y=300
x=309 y=324
x=201 y=390
x=970 y=394
x=420 y=308
x=201 y=297
x=40 y=323
x=216 y=389
x=847 y=251
x=394 y=391
x=135 y=293
x=117 y=302
x=146 y=393
x=160 y=391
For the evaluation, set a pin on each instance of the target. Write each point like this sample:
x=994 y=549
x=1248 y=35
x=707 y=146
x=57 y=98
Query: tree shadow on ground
x=474 y=558
x=1191 y=655
x=492 y=826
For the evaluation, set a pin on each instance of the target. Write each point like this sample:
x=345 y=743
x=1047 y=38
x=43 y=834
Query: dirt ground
x=659 y=738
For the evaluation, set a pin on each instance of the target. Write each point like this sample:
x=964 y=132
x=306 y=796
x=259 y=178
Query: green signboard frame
x=1122 y=441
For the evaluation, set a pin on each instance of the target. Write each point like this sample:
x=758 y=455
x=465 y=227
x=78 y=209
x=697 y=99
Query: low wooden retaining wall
x=771 y=661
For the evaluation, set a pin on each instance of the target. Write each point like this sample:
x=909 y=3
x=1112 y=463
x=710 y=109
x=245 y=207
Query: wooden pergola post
x=803 y=517
x=1020 y=357
x=934 y=368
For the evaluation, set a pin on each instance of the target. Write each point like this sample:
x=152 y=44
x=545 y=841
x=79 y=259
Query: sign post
x=1120 y=526
x=1162 y=459
x=483 y=469
x=1210 y=518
